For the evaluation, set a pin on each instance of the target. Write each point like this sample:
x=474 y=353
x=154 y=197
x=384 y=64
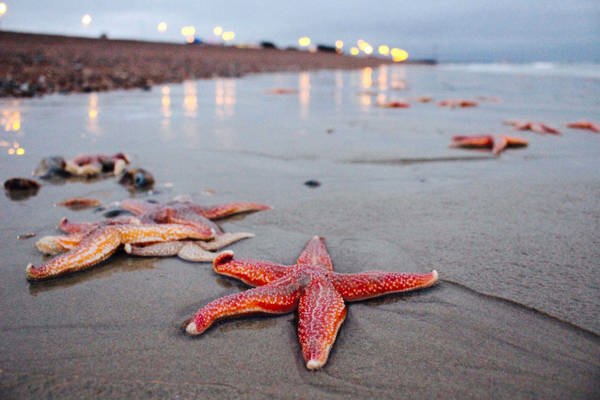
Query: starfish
x=497 y=144
x=310 y=286
x=457 y=103
x=101 y=243
x=190 y=250
x=584 y=125
x=538 y=127
x=187 y=212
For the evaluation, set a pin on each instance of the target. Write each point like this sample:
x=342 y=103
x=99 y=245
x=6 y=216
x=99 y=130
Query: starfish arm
x=366 y=285
x=321 y=312
x=58 y=244
x=253 y=273
x=161 y=249
x=159 y=233
x=95 y=248
x=138 y=207
x=224 y=239
x=192 y=251
x=188 y=217
x=500 y=143
x=279 y=297
x=85 y=227
x=227 y=209
x=315 y=253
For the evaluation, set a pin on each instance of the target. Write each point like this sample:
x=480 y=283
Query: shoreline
x=37 y=64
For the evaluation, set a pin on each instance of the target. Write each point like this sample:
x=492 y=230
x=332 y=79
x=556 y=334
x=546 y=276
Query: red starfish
x=311 y=286
x=497 y=145
x=186 y=212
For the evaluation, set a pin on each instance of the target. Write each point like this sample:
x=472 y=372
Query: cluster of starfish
x=179 y=228
x=310 y=286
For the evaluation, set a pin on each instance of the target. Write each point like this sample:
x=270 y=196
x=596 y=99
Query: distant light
x=354 y=51
x=368 y=49
x=20 y=151
x=190 y=39
x=161 y=27
x=3 y=9
x=86 y=20
x=339 y=44
x=304 y=41
x=188 y=30
x=362 y=45
x=384 y=50
x=218 y=30
x=165 y=90
x=399 y=55
x=228 y=36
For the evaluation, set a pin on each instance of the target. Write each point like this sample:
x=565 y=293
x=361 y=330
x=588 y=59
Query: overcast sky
x=454 y=30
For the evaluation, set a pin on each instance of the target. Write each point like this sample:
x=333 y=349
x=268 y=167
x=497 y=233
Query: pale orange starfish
x=590 y=126
x=495 y=144
x=310 y=286
x=101 y=243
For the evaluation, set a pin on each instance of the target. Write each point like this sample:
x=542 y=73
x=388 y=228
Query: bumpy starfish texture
x=101 y=243
x=187 y=212
x=310 y=286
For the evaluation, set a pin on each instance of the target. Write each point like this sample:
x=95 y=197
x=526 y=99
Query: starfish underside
x=310 y=286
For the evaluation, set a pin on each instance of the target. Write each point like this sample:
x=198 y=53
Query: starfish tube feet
x=321 y=312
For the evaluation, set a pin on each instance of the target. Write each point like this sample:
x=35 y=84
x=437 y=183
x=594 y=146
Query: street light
x=86 y=20
x=3 y=9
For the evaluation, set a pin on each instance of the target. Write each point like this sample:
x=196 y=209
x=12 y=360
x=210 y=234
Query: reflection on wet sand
x=339 y=88
x=92 y=113
x=190 y=99
x=10 y=121
x=224 y=98
x=304 y=93
x=101 y=271
x=366 y=84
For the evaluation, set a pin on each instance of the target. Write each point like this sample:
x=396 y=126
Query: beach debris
x=283 y=91
x=21 y=188
x=424 y=99
x=537 y=127
x=137 y=179
x=100 y=244
x=458 y=103
x=495 y=144
x=394 y=104
x=587 y=125
x=79 y=203
x=312 y=183
x=329 y=130
x=84 y=165
x=310 y=286
x=51 y=167
x=94 y=164
x=27 y=235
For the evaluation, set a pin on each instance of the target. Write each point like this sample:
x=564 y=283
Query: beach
x=514 y=238
x=37 y=64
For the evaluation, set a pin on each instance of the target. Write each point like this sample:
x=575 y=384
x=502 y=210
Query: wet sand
x=514 y=239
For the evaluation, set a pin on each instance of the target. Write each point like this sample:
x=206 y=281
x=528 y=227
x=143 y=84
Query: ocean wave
x=588 y=70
